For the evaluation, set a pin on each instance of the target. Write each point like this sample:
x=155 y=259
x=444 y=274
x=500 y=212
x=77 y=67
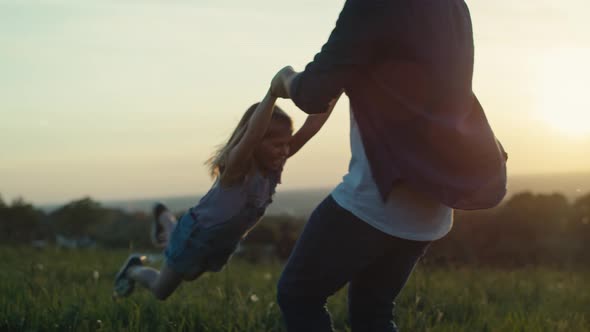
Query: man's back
x=407 y=68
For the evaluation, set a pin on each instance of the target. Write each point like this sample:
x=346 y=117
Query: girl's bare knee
x=167 y=282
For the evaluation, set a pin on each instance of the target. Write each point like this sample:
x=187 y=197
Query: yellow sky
x=121 y=99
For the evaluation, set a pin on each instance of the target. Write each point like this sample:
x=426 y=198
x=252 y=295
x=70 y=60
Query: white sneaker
x=123 y=285
x=163 y=224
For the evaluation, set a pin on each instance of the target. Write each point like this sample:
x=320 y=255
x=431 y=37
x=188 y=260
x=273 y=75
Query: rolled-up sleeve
x=351 y=45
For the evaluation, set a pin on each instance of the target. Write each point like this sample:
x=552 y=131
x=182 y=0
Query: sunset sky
x=127 y=99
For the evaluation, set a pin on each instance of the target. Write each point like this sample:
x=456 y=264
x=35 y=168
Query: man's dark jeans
x=337 y=248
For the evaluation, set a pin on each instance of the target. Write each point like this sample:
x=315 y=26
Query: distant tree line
x=527 y=229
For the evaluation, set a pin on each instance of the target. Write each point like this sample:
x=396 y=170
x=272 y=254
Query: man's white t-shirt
x=406 y=214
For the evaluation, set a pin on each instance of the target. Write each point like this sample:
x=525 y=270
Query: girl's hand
x=281 y=82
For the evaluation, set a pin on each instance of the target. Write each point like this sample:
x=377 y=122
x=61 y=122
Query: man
x=420 y=143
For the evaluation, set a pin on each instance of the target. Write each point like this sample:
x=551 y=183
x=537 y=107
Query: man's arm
x=351 y=45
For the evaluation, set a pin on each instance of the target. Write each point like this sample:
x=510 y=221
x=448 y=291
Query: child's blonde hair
x=216 y=162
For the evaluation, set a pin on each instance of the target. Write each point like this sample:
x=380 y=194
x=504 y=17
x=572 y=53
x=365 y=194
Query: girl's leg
x=162 y=226
x=160 y=283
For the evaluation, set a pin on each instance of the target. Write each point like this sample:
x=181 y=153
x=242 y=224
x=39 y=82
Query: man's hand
x=281 y=83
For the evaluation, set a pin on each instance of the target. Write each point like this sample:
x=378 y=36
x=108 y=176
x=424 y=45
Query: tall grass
x=57 y=290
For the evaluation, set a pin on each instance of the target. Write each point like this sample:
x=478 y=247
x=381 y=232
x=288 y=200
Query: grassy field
x=60 y=290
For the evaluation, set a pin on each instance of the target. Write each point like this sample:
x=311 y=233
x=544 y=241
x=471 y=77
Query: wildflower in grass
x=254 y=298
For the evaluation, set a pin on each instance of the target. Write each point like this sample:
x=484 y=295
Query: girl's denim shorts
x=193 y=249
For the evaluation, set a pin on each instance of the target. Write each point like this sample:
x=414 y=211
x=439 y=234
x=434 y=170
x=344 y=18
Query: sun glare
x=562 y=98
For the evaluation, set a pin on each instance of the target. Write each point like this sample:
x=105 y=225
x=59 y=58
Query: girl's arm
x=312 y=125
x=255 y=131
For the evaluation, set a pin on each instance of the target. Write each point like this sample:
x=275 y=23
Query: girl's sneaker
x=124 y=285
x=162 y=226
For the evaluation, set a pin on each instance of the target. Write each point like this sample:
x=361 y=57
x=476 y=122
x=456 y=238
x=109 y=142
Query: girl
x=246 y=170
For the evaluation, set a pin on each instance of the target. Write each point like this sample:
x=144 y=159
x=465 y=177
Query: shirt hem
x=403 y=235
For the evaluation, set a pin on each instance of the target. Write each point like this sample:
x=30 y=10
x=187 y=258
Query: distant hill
x=292 y=202
x=302 y=202
x=572 y=185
